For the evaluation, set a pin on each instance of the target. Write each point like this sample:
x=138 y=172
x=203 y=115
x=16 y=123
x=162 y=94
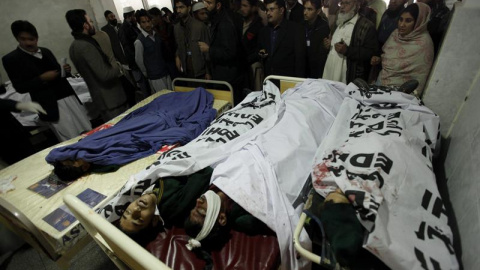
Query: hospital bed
x=240 y=252
x=23 y=211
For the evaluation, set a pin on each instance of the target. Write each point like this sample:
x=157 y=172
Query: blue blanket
x=169 y=119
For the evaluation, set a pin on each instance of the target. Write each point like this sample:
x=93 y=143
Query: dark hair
x=187 y=3
x=76 y=19
x=141 y=13
x=67 y=172
x=280 y=3
x=106 y=13
x=155 y=12
x=142 y=237
x=316 y=3
x=413 y=10
x=166 y=10
x=23 y=26
x=253 y=3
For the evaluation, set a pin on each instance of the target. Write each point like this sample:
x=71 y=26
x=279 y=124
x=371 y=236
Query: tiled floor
x=91 y=257
x=25 y=257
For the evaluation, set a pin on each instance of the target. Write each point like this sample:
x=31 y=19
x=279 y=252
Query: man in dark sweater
x=35 y=70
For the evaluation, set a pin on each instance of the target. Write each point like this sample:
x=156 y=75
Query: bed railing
x=112 y=241
x=285 y=81
x=226 y=95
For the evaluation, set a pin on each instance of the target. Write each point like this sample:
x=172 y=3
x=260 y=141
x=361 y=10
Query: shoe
x=361 y=84
x=409 y=86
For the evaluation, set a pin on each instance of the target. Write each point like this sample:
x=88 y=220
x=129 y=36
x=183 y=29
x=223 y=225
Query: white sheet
x=268 y=172
x=380 y=156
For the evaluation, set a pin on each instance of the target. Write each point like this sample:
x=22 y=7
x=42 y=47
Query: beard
x=343 y=17
x=113 y=22
x=211 y=14
x=91 y=31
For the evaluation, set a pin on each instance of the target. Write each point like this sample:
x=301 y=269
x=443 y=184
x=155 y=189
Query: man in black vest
x=148 y=54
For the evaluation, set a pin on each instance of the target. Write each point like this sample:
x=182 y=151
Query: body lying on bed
x=378 y=155
x=174 y=118
x=183 y=201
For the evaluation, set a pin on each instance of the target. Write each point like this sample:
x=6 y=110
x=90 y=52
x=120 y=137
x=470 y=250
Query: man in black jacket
x=225 y=49
x=294 y=11
x=316 y=28
x=112 y=29
x=252 y=24
x=282 y=43
x=35 y=70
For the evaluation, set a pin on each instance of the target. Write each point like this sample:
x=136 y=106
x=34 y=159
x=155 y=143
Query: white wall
x=453 y=92
x=48 y=16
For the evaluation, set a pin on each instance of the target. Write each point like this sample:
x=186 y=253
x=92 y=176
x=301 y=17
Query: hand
x=178 y=63
x=30 y=107
x=341 y=48
x=263 y=54
x=375 y=60
x=327 y=42
x=67 y=68
x=49 y=75
x=208 y=77
x=204 y=48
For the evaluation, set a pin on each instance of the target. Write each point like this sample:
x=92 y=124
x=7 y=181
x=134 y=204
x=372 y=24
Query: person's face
x=27 y=42
x=346 y=6
x=406 y=22
x=156 y=20
x=146 y=24
x=310 y=13
x=182 y=10
x=89 y=26
x=396 y=4
x=112 y=19
x=246 y=10
x=210 y=5
x=139 y=214
x=201 y=15
x=198 y=213
x=274 y=13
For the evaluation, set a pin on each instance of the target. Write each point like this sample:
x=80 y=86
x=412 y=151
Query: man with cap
x=127 y=34
x=188 y=31
x=200 y=12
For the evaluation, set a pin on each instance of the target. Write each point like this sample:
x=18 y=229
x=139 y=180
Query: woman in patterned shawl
x=408 y=52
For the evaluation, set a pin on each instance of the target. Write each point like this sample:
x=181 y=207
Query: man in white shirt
x=353 y=43
x=148 y=54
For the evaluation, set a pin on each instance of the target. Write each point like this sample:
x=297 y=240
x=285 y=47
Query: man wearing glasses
x=352 y=45
x=282 y=43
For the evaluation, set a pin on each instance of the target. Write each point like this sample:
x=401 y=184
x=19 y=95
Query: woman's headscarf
x=411 y=56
